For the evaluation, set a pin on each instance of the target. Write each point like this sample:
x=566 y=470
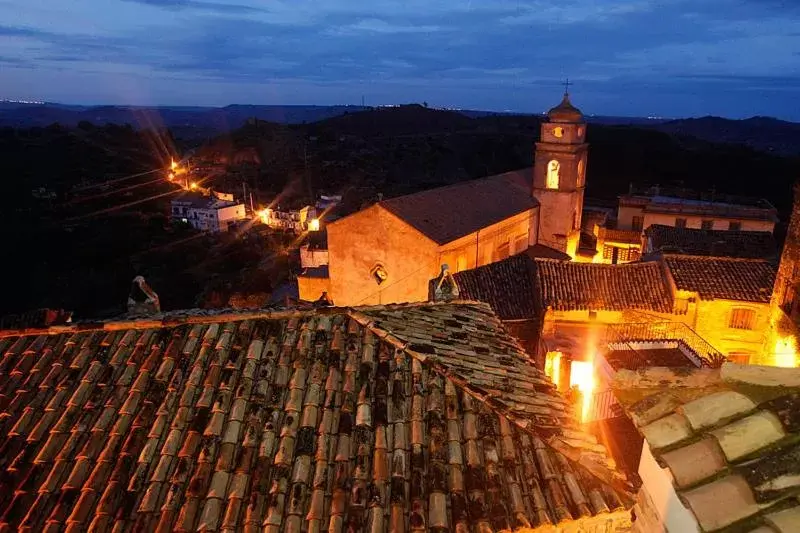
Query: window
x=626 y=255
x=552 y=174
x=680 y=222
x=608 y=252
x=741 y=358
x=681 y=306
x=734 y=225
x=461 y=263
x=707 y=224
x=638 y=223
x=502 y=251
x=742 y=319
x=379 y=273
x=520 y=243
x=592 y=315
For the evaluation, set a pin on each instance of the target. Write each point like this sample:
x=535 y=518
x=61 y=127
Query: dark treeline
x=57 y=256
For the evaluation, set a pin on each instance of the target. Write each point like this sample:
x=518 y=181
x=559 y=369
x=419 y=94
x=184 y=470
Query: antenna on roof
x=566 y=87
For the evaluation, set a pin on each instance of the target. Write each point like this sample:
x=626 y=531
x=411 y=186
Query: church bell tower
x=559 y=176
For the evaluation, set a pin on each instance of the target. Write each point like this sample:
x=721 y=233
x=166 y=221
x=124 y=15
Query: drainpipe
x=477 y=247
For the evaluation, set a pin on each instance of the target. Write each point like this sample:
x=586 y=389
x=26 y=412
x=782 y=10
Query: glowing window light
x=193 y=186
x=552 y=367
x=313 y=224
x=786 y=352
x=582 y=377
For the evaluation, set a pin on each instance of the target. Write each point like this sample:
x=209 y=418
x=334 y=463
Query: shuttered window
x=742 y=319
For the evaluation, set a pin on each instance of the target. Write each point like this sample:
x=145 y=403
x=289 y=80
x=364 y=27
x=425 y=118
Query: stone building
x=388 y=252
x=619 y=239
x=782 y=338
x=717 y=307
x=661 y=239
x=725 y=301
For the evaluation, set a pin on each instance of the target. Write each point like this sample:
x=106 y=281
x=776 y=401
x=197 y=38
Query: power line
x=114 y=191
x=129 y=204
x=117 y=180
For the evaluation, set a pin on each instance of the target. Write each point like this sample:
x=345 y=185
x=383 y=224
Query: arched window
x=552 y=174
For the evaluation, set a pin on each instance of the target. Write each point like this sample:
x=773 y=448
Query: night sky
x=734 y=58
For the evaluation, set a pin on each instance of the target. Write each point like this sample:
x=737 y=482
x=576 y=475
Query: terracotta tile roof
x=507 y=286
x=394 y=418
x=447 y=213
x=730 y=438
x=567 y=286
x=717 y=243
x=748 y=280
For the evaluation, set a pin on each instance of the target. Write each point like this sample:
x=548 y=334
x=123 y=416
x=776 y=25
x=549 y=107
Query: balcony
x=622 y=236
x=639 y=345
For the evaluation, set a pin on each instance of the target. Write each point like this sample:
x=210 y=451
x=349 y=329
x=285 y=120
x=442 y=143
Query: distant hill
x=203 y=119
x=403 y=149
x=760 y=133
x=192 y=122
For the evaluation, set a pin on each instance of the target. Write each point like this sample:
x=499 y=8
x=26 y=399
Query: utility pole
x=244 y=195
x=305 y=171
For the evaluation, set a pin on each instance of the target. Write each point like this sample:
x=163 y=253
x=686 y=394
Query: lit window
x=680 y=222
x=742 y=319
x=592 y=315
x=741 y=358
x=707 y=224
x=552 y=174
x=734 y=225
x=552 y=367
x=502 y=251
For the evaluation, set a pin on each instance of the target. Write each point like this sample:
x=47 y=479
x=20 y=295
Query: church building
x=387 y=252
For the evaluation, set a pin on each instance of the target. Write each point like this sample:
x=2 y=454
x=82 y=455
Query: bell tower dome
x=559 y=176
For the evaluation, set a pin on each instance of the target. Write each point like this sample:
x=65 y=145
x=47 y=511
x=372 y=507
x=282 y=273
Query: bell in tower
x=559 y=176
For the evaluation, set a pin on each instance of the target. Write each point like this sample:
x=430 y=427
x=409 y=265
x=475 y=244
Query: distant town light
x=193 y=186
x=172 y=164
x=313 y=224
x=171 y=176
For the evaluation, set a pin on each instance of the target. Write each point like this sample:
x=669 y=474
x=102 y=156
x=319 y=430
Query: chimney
x=142 y=300
x=324 y=300
x=446 y=286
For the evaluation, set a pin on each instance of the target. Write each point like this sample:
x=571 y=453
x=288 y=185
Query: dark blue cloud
x=200 y=5
x=626 y=56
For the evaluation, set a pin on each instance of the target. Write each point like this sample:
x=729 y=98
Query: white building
x=298 y=220
x=207 y=213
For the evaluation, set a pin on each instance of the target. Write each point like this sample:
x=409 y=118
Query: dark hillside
x=403 y=149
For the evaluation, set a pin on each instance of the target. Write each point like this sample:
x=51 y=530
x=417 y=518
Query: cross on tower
x=566 y=87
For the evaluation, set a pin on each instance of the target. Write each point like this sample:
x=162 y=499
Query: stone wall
x=712 y=323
